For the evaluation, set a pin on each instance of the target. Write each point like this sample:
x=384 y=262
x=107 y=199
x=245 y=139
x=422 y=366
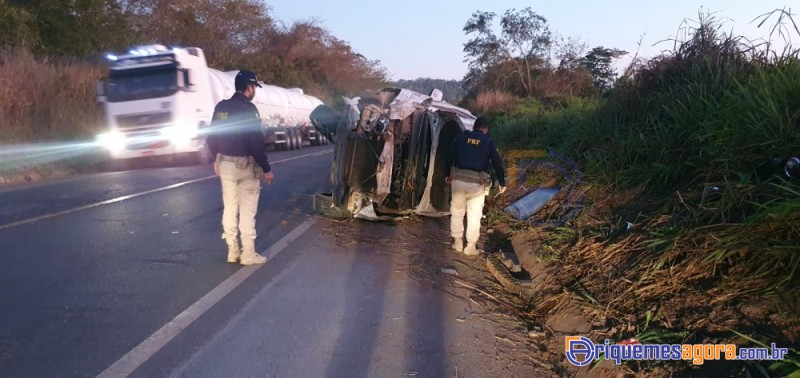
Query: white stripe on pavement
x=150 y=346
x=130 y=196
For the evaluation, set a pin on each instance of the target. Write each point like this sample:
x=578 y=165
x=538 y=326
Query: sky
x=416 y=38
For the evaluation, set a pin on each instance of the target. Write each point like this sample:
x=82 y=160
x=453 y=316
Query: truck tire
x=299 y=136
x=323 y=204
x=287 y=134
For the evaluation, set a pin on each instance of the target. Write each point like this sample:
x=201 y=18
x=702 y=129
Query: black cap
x=245 y=78
x=481 y=122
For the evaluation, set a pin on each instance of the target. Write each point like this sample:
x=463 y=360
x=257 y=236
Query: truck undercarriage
x=390 y=153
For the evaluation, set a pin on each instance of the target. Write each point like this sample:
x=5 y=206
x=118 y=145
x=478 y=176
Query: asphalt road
x=124 y=273
x=80 y=289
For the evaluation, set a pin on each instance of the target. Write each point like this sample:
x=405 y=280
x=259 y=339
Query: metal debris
x=531 y=203
x=450 y=271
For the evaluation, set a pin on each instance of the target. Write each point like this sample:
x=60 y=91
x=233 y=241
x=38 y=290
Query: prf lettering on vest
x=222 y=115
x=473 y=141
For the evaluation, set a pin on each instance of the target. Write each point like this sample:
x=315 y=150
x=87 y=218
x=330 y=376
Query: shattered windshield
x=142 y=83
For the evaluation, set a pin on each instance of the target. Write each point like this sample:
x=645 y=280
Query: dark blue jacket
x=474 y=150
x=236 y=130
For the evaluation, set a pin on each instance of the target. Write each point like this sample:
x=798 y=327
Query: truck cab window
x=142 y=83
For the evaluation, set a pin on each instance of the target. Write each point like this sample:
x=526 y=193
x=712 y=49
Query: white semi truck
x=159 y=101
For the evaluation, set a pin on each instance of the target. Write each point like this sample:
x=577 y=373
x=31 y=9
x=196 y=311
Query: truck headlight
x=113 y=140
x=180 y=134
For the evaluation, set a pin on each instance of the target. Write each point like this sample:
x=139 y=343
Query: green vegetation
x=683 y=147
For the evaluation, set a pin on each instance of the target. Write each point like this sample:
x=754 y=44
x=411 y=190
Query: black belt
x=468 y=175
x=224 y=157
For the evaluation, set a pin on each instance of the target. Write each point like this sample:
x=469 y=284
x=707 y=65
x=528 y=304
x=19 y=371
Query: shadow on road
x=366 y=291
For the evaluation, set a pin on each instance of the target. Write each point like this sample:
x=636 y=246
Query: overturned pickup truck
x=390 y=154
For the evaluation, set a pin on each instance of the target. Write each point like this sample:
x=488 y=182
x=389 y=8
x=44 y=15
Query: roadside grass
x=684 y=150
x=48 y=115
x=46 y=99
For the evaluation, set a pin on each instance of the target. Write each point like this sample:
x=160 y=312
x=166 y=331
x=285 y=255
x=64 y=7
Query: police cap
x=245 y=78
x=481 y=123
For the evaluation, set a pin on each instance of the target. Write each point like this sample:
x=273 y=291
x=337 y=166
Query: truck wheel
x=291 y=139
x=323 y=204
x=299 y=136
x=288 y=138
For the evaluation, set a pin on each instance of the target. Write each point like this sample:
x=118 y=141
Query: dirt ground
x=527 y=346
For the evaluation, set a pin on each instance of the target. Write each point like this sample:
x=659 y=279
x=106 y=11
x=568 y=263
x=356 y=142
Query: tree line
x=522 y=57
x=234 y=34
x=525 y=58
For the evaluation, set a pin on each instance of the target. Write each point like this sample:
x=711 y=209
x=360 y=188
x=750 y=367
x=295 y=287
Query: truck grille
x=143 y=122
x=144 y=130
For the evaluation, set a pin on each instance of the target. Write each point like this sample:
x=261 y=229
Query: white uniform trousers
x=466 y=197
x=240 y=191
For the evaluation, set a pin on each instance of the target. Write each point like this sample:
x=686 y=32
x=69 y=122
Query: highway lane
x=79 y=290
x=123 y=287
x=23 y=202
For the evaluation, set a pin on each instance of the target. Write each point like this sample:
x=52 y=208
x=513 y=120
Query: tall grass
x=690 y=133
x=46 y=99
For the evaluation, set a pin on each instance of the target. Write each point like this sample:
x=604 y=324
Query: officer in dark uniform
x=469 y=181
x=241 y=162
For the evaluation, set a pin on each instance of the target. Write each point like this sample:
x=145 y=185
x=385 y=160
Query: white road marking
x=150 y=346
x=131 y=196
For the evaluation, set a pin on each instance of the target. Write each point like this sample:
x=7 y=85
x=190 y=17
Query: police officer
x=470 y=183
x=241 y=162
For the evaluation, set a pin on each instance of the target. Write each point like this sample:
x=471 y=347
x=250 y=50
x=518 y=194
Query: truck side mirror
x=184 y=81
x=100 y=90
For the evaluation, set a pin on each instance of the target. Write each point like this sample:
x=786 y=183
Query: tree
x=225 y=29
x=521 y=48
x=307 y=53
x=66 y=27
x=569 y=53
x=234 y=34
x=17 y=27
x=598 y=62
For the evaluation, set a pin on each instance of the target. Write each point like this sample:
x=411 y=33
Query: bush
x=687 y=136
x=43 y=99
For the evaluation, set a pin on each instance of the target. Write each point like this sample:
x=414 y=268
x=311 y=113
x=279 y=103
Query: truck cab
x=158 y=101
